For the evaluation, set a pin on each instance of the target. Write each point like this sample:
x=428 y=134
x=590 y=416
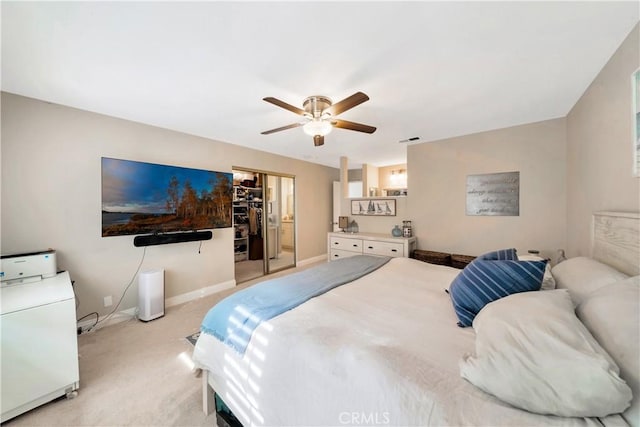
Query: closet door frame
x=264 y=178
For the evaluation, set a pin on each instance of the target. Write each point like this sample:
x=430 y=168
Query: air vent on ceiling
x=412 y=139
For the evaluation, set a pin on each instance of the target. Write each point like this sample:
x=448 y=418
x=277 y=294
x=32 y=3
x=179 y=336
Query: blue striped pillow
x=502 y=254
x=484 y=281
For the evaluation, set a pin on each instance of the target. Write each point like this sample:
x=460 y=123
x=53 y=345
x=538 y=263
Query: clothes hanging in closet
x=255 y=220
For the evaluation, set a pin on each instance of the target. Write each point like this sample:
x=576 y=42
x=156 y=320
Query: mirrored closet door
x=281 y=223
x=264 y=223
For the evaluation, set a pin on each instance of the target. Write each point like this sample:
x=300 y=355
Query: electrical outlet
x=108 y=301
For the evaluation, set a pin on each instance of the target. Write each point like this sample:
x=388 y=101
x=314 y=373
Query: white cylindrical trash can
x=151 y=295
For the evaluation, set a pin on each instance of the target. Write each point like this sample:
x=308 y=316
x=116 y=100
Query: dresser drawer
x=344 y=244
x=338 y=244
x=384 y=248
x=337 y=254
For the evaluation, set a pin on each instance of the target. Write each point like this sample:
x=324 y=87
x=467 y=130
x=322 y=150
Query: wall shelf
x=240 y=226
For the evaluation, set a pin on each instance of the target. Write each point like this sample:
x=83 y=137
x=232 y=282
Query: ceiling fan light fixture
x=317 y=127
x=320 y=116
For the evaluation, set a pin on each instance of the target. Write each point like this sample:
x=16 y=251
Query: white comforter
x=382 y=350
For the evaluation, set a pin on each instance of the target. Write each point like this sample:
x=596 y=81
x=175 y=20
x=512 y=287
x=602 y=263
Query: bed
x=385 y=349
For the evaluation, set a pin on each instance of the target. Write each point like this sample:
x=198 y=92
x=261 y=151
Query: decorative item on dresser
x=343 y=223
x=407 y=230
x=341 y=245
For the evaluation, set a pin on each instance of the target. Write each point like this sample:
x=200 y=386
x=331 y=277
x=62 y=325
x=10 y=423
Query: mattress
x=381 y=350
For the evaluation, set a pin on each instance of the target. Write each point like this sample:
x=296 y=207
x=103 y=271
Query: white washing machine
x=39 y=351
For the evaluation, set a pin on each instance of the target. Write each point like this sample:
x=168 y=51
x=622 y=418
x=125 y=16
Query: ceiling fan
x=320 y=116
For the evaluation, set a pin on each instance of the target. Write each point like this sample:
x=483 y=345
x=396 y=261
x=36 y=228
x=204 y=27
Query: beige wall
x=436 y=201
x=599 y=147
x=569 y=168
x=51 y=197
x=370 y=180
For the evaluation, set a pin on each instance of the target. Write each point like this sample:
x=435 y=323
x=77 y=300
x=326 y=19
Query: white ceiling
x=432 y=69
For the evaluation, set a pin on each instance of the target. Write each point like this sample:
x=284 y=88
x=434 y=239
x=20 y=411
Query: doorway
x=264 y=223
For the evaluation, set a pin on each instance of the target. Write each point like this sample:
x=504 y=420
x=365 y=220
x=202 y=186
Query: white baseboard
x=312 y=260
x=199 y=293
x=118 y=317
x=129 y=313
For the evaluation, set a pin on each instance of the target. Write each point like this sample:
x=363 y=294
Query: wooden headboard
x=616 y=240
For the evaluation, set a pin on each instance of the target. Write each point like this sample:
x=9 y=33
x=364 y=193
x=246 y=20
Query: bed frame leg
x=208 y=399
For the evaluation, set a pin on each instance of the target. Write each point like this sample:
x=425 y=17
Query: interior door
x=248 y=223
x=280 y=223
x=264 y=223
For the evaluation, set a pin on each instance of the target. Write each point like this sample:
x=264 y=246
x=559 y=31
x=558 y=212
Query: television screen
x=139 y=198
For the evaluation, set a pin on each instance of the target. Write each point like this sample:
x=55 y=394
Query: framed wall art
x=373 y=207
x=495 y=194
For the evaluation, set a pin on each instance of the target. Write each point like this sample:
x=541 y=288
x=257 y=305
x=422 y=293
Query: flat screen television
x=141 y=198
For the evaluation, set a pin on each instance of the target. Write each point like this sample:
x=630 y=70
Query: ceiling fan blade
x=291 y=126
x=347 y=103
x=318 y=140
x=344 y=124
x=284 y=105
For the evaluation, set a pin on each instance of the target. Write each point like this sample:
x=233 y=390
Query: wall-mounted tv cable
x=144 y=252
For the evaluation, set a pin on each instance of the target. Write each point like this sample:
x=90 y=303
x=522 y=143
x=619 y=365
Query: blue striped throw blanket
x=234 y=319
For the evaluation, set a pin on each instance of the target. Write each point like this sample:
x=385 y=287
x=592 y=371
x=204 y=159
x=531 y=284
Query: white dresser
x=341 y=245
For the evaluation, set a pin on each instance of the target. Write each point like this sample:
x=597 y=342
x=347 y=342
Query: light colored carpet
x=252 y=269
x=137 y=374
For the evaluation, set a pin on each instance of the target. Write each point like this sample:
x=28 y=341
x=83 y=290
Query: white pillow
x=533 y=353
x=582 y=275
x=612 y=314
x=548 y=282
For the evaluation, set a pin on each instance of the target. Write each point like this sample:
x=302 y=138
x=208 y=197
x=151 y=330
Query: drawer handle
x=355 y=245
x=336 y=255
x=394 y=250
x=336 y=243
x=370 y=247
